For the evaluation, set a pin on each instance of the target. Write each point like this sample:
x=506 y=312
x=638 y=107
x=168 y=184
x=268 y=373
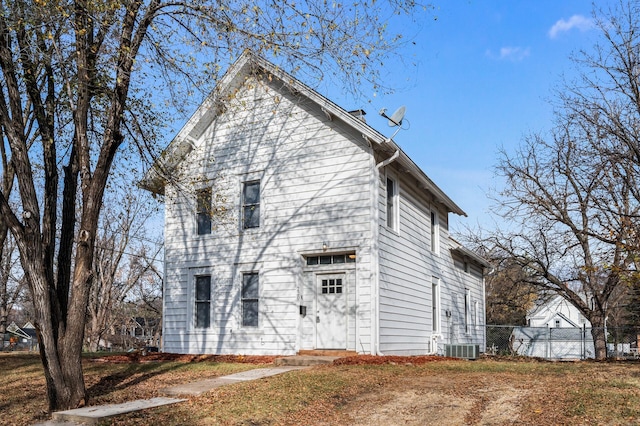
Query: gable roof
x=465 y=253
x=247 y=64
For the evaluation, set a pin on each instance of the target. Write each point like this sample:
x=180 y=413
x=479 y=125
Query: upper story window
x=435 y=232
x=392 y=204
x=203 y=211
x=251 y=204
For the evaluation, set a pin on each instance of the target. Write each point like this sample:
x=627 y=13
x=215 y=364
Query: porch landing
x=313 y=357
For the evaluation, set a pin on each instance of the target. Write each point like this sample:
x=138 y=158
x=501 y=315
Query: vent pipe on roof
x=359 y=114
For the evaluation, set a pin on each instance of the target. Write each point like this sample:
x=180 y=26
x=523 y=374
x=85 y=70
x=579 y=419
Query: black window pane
x=250 y=286
x=252 y=216
x=203 y=216
x=313 y=260
x=204 y=200
x=391 y=192
x=252 y=192
x=250 y=313
x=325 y=260
x=204 y=223
x=203 y=288
x=339 y=289
x=338 y=258
x=203 y=314
x=351 y=258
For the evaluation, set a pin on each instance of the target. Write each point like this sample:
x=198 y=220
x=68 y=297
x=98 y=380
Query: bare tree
x=123 y=259
x=572 y=196
x=509 y=297
x=84 y=81
x=11 y=282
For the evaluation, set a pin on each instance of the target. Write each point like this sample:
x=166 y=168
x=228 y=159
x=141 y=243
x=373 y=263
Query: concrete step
x=304 y=360
x=327 y=352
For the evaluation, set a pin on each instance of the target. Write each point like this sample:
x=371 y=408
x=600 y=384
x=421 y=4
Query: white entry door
x=331 y=314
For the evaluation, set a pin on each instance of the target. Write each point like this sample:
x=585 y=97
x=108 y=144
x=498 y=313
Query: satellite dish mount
x=395 y=120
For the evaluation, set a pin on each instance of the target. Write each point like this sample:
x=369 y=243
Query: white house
x=556 y=312
x=291 y=224
x=555 y=329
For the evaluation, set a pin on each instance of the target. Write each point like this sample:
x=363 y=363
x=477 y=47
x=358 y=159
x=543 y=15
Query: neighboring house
x=556 y=312
x=291 y=224
x=555 y=329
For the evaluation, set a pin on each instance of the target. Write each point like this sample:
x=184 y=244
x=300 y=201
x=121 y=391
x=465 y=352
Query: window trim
x=204 y=211
x=435 y=305
x=467 y=310
x=196 y=301
x=392 y=222
x=434 y=220
x=244 y=205
x=476 y=309
x=243 y=274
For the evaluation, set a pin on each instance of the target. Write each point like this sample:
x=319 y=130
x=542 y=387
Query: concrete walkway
x=202 y=386
x=99 y=413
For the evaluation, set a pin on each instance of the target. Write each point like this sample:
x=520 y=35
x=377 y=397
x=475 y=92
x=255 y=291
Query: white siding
x=314 y=188
x=407 y=267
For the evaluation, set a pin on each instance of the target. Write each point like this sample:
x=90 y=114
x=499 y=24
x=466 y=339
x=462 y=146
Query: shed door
x=331 y=315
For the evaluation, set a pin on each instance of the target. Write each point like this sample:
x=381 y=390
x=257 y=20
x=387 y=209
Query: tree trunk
x=62 y=365
x=599 y=335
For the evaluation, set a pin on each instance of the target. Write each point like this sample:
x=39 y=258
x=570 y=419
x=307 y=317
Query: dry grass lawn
x=399 y=392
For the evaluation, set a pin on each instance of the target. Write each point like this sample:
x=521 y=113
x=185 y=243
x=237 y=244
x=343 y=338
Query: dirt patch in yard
x=438 y=400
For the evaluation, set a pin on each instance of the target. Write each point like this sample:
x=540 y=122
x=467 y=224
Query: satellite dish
x=395 y=120
x=396 y=117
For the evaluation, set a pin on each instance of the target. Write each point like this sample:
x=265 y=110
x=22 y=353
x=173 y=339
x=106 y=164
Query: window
x=332 y=286
x=331 y=259
x=203 y=214
x=435 y=303
x=392 y=204
x=435 y=233
x=250 y=298
x=476 y=312
x=251 y=204
x=557 y=323
x=203 y=301
x=467 y=310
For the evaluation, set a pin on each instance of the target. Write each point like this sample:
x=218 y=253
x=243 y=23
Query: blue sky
x=483 y=76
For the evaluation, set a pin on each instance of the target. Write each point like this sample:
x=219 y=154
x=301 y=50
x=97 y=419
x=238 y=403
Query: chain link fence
x=559 y=343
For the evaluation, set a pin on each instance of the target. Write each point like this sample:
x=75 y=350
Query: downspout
x=375 y=231
x=484 y=310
